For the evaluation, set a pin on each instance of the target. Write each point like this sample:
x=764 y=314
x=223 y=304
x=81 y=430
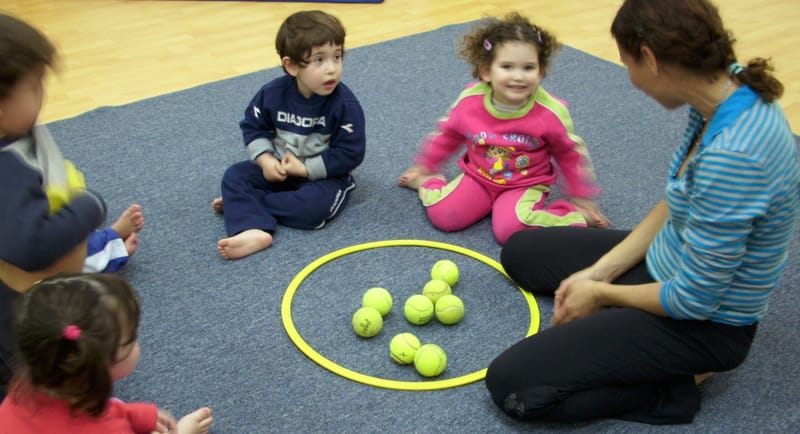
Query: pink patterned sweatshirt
x=514 y=149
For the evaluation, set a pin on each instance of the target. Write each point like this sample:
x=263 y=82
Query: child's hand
x=293 y=166
x=165 y=423
x=271 y=167
x=591 y=212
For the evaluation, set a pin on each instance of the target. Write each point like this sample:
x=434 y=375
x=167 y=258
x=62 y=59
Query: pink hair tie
x=71 y=332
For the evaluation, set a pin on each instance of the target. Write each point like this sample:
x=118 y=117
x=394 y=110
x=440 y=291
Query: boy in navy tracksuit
x=48 y=219
x=304 y=133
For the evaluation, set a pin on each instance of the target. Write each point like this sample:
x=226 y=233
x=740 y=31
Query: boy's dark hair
x=103 y=308
x=304 y=30
x=22 y=49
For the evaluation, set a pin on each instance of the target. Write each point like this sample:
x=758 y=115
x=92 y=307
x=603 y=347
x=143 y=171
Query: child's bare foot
x=131 y=243
x=414 y=177
x=198 y=422
x=216 y=205
x=129 y=222
x=244 y=243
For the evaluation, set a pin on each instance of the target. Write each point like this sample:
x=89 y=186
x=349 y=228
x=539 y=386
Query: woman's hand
x=575 y=298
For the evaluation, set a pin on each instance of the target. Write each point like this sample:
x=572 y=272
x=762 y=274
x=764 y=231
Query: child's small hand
x=165 y=423
x=271 y=167
x=293 y=166
x=591 y=212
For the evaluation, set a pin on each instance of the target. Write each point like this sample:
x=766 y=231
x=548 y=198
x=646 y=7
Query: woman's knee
x=518 y=396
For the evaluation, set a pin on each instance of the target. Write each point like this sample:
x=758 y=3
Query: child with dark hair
x=76 y=335
x=304 y=133
x=48 y=219
x=514 y=131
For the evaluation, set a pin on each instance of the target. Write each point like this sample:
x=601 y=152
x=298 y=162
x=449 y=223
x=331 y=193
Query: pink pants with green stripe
x=465 y=201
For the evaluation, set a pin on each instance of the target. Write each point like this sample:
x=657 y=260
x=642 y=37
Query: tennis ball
x=418 y=309
x=446 y=270
x=379 y=298
x=367 y=322
x=449 y=309
x=430 y=360
x=436 y=288
x=403 y=347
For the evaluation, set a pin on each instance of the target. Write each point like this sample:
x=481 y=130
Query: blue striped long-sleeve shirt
x=732 y=212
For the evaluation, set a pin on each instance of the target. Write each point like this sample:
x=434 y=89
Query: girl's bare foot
x=129 y=222
x=131 y=243
x=414 y=177
x=244 y=243
x=198 y=422
x=216 y=205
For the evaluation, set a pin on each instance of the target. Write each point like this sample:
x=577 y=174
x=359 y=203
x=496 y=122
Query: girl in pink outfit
x=76 y=335
x=515 y=134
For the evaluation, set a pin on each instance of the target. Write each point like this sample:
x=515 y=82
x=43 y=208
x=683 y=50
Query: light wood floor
x=119 y=51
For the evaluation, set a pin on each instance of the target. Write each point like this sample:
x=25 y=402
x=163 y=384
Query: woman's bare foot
x=244 y=243
x=198 y=422
x=414 y=177
x=701 y=378
x=131 y=243
x=216 y=205
x=129 y=222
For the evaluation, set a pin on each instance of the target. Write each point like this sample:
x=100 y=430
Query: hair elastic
x=71 y=332
x=487 y=44
x=735 y=68
x=539 y=36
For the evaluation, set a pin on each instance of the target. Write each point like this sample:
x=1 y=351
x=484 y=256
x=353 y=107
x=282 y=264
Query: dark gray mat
x=212 y=331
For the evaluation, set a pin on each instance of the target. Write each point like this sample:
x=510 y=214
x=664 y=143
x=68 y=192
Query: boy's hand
x=293 y=166
x=271 y=167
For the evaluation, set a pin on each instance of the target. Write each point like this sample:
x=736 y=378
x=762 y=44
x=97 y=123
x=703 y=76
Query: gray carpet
x=212 y=332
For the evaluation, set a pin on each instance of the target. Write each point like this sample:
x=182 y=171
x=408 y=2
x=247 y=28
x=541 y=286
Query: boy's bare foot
x=131 y=243
x=198 y=422
x=129 y=222
x=414 y=177
x=216 y=205
x=244 y=243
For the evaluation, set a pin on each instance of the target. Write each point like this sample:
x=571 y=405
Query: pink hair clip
x=487 y=44
x=71 y=332
x=539 y=36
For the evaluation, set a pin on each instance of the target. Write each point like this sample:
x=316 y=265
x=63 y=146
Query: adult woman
x=689 y=284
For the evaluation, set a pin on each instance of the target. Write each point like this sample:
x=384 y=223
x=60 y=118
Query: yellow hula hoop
x=294 y=335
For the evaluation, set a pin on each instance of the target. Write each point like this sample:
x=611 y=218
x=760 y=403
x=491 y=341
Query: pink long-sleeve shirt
x=516 y=149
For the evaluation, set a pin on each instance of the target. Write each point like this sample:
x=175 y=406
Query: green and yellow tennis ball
x=367 y=322
x=430 y=360
x=403 y=347
x=379 y=298
x=449 y=309
x=446 y=270
x=436 y=288
x=418 y=309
